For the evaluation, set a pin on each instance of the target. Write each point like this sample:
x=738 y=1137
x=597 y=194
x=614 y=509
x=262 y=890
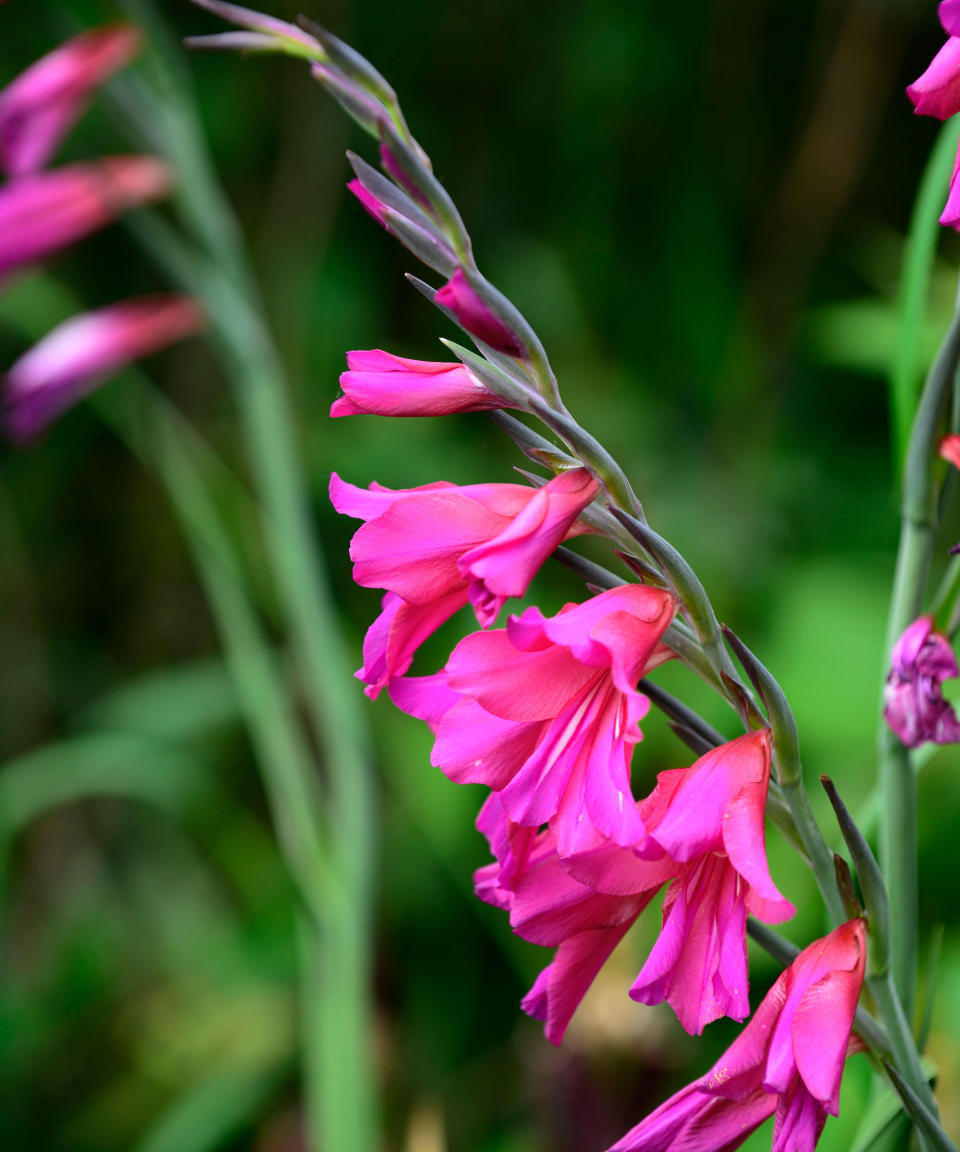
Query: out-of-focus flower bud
x=41 y=105
x=84 y=351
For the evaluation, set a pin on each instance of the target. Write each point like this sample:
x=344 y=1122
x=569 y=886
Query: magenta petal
x=41 y=105
x=505 y=564
x=429 y=698
x=86 y=350
x=699 y=962
x=475 y=316
x=523 y=686
x=474 y=747
x=693 y=1122
x=949 y=13
x=394 y=637
x=799 y=1121
x=381 y=384
x=937 y=91
x=42 y=213
x=560 y=987
x=618 y=871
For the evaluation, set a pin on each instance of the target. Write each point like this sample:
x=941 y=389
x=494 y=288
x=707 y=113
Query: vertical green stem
x=898 y=832
x=337 y=1026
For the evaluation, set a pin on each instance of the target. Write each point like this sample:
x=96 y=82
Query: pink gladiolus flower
x=914 y=706
x=44 y=212
x=475 y=316
x=937 y=91
x=709 y=819
x=691 y=1121
x=548 y=713
x=436 y=548
x=381 y=384
x=548 y=907
x=41 y=105
x=792 y=1052
x=83 y=351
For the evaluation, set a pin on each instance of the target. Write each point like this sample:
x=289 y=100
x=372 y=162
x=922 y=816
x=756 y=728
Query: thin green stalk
x=344 y=1118
x=918 y=258
x=898 y=829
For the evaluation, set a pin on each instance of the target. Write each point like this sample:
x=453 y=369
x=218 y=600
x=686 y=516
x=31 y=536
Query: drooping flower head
x=549 y=907
x=709 y=819
x=83 y=351
x=381 y=384
x=436 y=548
x=547 y=713
x=914 y=706
x=40 y=106
x=789 y=1059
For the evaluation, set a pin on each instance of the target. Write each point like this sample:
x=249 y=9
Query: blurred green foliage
x=701 y=207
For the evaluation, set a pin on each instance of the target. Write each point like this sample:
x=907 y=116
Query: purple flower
x=914 y=706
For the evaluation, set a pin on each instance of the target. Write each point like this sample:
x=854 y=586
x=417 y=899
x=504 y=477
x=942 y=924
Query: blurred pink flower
x=381 y=384
x=44 y=212
x=438 y=547
x=547 y=713
x=475 y=316
x=914 y=706
x=788 y=1059
x=83 y=351
x=40 y=106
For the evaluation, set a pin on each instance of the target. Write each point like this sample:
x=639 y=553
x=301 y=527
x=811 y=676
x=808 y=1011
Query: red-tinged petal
x=949 y=449
x=937 y=91
x=560 y=987
x=474 y=747
x=42 y=104
x=821 y=1025
x=85 y=351
x=693 y=1122
x=379 y=383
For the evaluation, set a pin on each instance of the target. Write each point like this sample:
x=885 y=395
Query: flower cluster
x=44 y=211
x=544 y=711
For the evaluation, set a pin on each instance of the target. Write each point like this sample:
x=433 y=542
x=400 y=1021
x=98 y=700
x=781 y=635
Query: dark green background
x=701 y=208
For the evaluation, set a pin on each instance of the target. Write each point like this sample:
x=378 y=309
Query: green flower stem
x=343 y=1113
x=918 y=534
x=905 y=1055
